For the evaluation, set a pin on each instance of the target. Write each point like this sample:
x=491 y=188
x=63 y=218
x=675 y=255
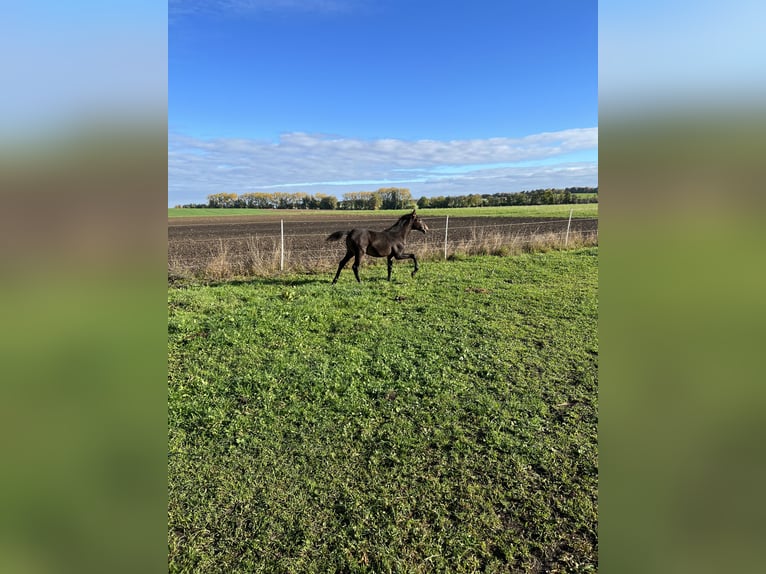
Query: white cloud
x=313 y=163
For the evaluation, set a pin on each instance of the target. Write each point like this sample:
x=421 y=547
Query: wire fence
x=264 y=247
x=433 y=228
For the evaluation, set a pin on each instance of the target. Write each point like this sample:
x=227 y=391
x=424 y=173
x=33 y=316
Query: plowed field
x=243 y=245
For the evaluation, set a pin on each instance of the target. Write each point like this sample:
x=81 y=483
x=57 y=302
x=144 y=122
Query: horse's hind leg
x=390 y=265
x=357 y=261
x=342 y=264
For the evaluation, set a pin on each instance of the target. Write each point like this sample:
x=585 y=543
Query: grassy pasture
x=442 y=423
x=580 y=210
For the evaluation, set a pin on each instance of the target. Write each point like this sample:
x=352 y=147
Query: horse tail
x=335 y=236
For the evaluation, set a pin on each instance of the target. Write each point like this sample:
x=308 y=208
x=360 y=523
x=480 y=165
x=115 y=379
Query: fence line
x=332 y=251
x=454 y=227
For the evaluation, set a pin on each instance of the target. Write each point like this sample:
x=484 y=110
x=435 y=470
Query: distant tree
x=351 y=200
x=365 y=200
x=299 y=200
x=395 y=197
x=327 y=201
x=285 y=200
x=375 y=202
x=439 y=201
x=309 y=202
x=265 y=200
x=222 y=200
x=548 y=196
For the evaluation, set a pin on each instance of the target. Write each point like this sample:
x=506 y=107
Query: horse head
x=418 y=223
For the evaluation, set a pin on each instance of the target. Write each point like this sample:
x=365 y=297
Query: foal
x=388 y=243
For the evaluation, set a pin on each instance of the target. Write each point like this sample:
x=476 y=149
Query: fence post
x=446 y=227
x=282 y=250
x=566 y=240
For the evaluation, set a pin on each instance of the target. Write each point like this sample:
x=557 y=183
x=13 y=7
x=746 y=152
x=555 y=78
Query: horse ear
x=413 y=211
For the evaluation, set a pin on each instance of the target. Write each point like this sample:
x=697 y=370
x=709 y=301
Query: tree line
x=533 y=197
x=394 y=198
x=383 y=198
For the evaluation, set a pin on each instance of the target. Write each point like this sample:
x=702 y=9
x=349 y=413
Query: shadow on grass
x=293 y=281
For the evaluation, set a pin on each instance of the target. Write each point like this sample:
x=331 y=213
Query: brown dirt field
x=245 y=245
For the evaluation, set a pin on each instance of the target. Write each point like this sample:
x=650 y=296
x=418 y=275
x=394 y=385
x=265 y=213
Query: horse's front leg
x=390 y=265
x=415 y=261
x=409 y=256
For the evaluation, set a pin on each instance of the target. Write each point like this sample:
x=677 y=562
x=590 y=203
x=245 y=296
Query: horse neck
x=402 y=229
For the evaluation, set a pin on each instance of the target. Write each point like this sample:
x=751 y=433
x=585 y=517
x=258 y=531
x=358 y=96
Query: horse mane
x=396 y=226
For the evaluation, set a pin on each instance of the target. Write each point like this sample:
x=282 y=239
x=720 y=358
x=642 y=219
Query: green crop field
x=579 y=210
x=442 y=423
x=214 y=212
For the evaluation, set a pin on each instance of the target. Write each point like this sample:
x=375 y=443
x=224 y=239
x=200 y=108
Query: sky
x=329 y=96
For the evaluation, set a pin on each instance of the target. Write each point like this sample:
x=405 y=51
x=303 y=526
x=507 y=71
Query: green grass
x=580 y=210
x=442 y=423
x=212 y=212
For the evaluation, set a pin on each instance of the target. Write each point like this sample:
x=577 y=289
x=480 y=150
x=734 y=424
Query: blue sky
x=330 y=96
